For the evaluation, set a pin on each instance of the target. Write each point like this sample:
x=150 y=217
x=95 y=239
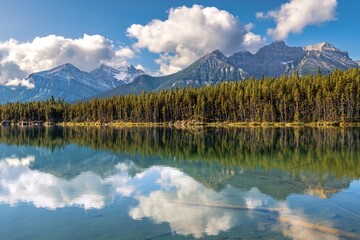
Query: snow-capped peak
x=64 y=67
x=117 y=76
x=324 y=46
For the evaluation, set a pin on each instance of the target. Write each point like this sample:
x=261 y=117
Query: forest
x=310 y=98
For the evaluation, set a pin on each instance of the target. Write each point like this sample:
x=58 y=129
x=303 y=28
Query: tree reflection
x=323 y=150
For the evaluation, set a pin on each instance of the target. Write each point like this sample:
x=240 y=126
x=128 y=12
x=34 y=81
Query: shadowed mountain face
x=273 y=60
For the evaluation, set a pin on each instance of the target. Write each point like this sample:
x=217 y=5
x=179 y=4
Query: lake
x=161 y=183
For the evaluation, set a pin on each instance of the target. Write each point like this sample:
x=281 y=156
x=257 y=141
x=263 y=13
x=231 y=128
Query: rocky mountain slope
x=325 y=56
x=211 y=69
x=279 y=59
x=272 y=60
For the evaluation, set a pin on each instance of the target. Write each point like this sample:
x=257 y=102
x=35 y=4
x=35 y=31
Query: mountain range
x=72 y=84
x=272 y=60
x=69 y=83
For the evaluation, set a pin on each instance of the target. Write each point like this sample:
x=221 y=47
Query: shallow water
x=160 y=183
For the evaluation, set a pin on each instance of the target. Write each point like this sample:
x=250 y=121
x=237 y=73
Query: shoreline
x=196 y=124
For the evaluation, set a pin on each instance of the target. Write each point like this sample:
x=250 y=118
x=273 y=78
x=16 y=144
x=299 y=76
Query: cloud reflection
x=174 y=197
x=163 y=194
x=185 y=204
x=295 y=225
x=19 y=183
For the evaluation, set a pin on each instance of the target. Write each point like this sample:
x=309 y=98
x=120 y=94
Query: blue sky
x=336 y=22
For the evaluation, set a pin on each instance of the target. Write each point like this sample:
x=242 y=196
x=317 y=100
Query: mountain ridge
x=272 y=60
x=211 y=69
x=69 y=83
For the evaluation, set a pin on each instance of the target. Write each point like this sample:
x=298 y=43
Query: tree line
x=311 y=98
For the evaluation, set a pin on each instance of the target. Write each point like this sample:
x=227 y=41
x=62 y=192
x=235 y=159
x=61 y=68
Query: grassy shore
x=181 y=124
x=193 y=123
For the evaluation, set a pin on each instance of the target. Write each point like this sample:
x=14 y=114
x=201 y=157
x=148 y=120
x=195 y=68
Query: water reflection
x=324 y=150
x=265 y=191
x=19 y=183
x=192 y=209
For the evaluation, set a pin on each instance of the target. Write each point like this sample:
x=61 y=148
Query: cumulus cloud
x=125 y=52
x=191 y=32
x=18 y=59
x=294 y=16
x=20 y=82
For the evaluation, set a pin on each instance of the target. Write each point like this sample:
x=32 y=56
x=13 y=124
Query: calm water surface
x=161 y=183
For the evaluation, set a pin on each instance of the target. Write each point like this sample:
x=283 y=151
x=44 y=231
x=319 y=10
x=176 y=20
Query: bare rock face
x=325 y=56
x=272 y=60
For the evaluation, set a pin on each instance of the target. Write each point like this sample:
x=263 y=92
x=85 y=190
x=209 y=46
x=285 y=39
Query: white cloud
x=190 y=33
x=294 y=16
x=20 y=82
x=18 y=59
x=125 y=52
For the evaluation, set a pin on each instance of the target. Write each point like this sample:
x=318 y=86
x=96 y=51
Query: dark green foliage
x=312 y=98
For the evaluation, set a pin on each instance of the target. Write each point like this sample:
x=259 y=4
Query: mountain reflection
x=200 y=182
